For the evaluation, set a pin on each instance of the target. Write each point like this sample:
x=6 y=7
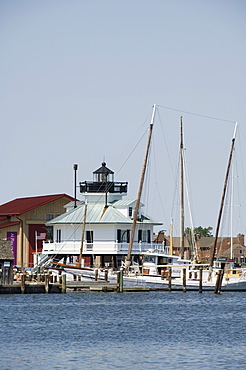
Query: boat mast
x=171 y=237
x=181 y=191
x=223 y=196
x=128 y=258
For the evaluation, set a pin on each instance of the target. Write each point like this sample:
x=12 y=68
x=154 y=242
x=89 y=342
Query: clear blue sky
x=78 y=81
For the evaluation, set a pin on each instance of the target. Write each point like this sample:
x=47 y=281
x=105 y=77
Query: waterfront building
x=22 y=222
x=104 y=218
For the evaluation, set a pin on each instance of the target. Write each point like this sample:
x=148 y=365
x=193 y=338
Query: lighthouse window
x=140 y=236
x=123 y=236
x=119 y=236
x=58 y=236
x=130 y=211
x=148 y=235
x=89 y=236
x=144 y=236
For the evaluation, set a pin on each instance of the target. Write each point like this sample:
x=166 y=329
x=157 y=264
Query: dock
x=48 y=283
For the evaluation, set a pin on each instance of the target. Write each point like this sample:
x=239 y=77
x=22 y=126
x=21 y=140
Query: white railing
x=99 y=247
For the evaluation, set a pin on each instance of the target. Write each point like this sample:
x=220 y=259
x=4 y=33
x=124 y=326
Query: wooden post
x=200 y=280
x=216 y=289
x=64 y=285
x=106 y=275
x=169 y=279
x=46 y=283
x=162 y=274
x=96 y=274
x=220 y=280
x=184 y=280
x=22 y=283
x=121 y=281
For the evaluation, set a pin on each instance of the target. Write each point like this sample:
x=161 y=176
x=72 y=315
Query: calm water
x=152 y=330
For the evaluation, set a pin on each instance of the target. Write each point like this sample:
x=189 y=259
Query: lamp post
x=75 y=167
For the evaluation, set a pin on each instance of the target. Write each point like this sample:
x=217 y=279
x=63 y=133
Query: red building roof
x=23 y=205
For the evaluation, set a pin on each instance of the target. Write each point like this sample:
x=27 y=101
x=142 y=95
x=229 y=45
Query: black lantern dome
x=103 y=181
x=103 y=174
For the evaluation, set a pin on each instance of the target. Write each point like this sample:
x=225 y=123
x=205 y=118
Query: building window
x=148 y=236
x=89 y=236
x=144 y=236
x=130 y=211
x=123 y=236
x=58 y=236
x=128 y=233
x=49 y=233
x=140 y=236
x=49 y=217
x=119 y=235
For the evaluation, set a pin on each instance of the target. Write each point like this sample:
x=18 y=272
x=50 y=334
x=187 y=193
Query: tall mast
x=128 y=258
x=223 y=196
x=181 y=191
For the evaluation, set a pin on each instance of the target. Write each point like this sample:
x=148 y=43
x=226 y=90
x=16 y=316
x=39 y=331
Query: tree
x=201 y=231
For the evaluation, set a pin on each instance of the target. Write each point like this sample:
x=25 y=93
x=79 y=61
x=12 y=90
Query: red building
x=22 y=221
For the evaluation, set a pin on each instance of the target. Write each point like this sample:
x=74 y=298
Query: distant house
x=22 y=222
x=6 y=262
x=205 y=245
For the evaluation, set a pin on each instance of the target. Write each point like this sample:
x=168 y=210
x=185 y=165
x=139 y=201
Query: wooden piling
x=64 y=283
x=216 y=289
x=106 y=275
x=220 y=280
x=169 y=279
x=23 y=283
x=46 y=283
x=96 y=274
x=200 y=280
x=121 y=281
x=184 y=280
x=162 y=274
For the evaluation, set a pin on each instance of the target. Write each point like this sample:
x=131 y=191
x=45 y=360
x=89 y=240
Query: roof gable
x=23 y=205
x=97 y=214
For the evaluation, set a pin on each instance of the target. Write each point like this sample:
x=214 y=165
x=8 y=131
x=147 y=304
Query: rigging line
x=238 y=200
x=129 y=145
x=132 y=152
x=156 y=183
x=167 y=147
x=196 y=114
x=242 y=161
x=161 y=203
